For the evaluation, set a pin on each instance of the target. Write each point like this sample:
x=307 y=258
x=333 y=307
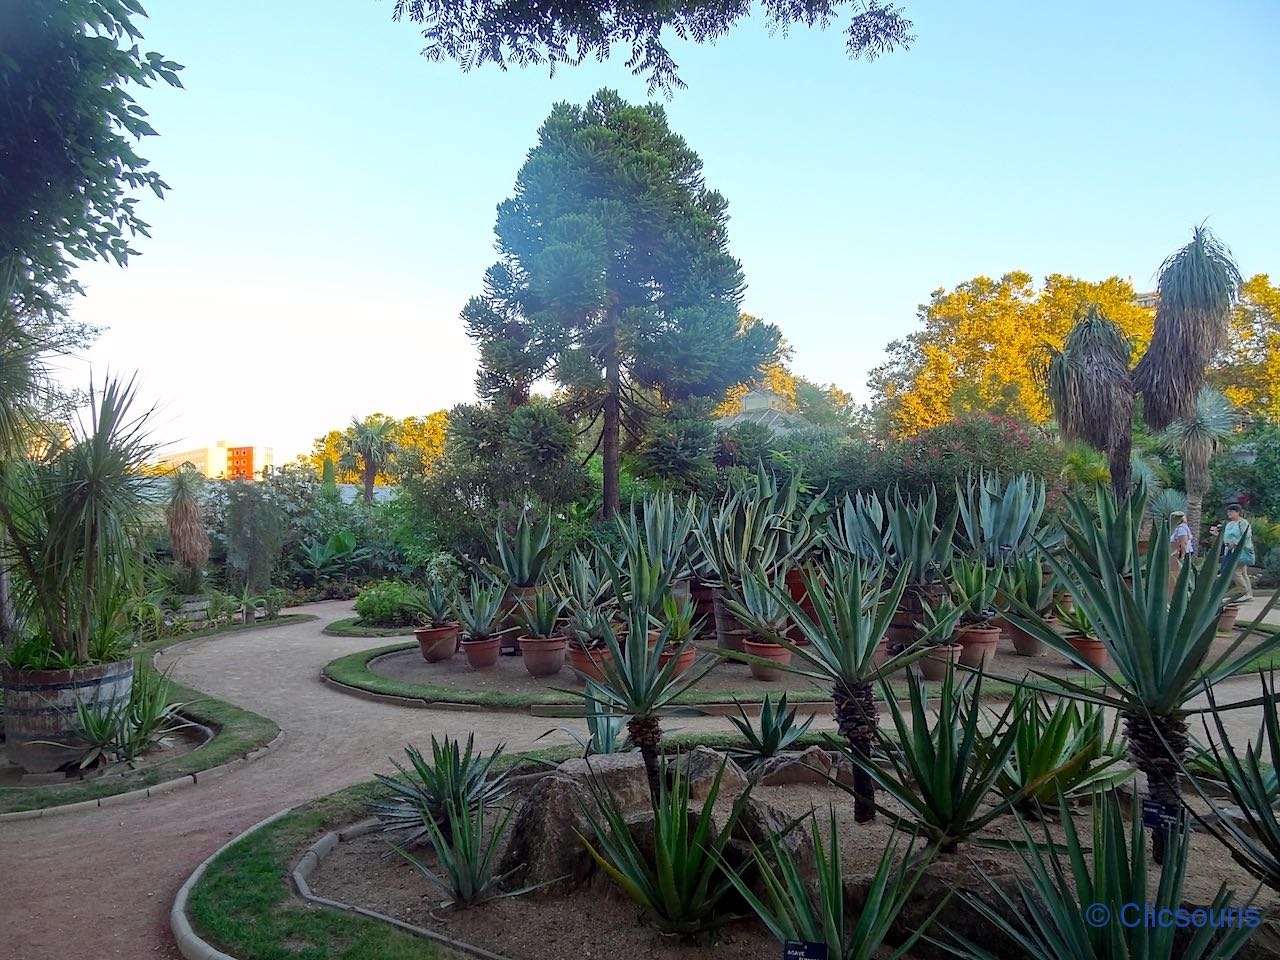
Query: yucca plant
x=1160 y=641
x=681 y=886
x=1195 y=438
x=1064 y=749
x=478 y=611
x=466 y=856
x=188 y=537
x=525 y=555
x=1072 y=904
x=791 y=912
x=773 y=731
x=426 y=790
x=636 y=682
x=540 y=619
x=942 y=768
x=1252 y=781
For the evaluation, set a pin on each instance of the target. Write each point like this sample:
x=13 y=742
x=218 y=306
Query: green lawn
x=352 y=627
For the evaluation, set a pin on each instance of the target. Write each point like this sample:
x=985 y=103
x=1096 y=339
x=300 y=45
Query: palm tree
x=1090 y=383
x=1197 y=438
x=367 y=448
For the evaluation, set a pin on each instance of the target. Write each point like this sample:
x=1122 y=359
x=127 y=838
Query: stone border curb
x=190 y=944
x=306 y=867
x=143 y=793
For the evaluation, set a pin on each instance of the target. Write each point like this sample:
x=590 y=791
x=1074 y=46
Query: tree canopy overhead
x=571 y=31
x=615 y=277
x=68 y=169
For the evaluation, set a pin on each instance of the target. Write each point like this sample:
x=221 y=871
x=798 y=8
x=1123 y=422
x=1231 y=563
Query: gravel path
x=99 y=884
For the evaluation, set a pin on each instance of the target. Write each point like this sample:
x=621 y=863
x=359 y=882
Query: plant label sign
x=1157 y=814
x=803 y=950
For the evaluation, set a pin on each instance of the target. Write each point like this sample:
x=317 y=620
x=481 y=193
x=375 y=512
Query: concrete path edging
x=190 y=944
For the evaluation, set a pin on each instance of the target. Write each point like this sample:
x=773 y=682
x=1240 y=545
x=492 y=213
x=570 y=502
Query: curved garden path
x=100 y=883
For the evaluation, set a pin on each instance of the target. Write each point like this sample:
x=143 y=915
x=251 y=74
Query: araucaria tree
x=615 y=277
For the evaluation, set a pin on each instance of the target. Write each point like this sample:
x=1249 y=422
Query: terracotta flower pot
x=767 y=651
x=978 y=645
x=730 y=631
x=438 y=644
x=482 y=654
x=588 y=665
x=1095 y=651
x=683 y=655
x=941 y=659
x=507 y=617
x=1227 y=619
x=543 y=657
x=1024 y=644
x=882 y=653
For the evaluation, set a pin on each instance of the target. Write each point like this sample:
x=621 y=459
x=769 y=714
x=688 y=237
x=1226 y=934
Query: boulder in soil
x=545 y=845
x=810 y=766
x=699 y=767
x=622 y=775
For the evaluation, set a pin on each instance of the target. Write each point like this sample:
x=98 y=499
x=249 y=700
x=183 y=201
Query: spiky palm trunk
x=857 y=717
x=646 y=733
x=1156 y=745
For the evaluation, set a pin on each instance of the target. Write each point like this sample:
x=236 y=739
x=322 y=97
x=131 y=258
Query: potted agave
x=679 y=617
x=478 y=615
x=1230 y=611
x=1024 y=587
x=589 y=628
x=939 y=629
x=761 y=608
x=1078 y=631
x=439 y=635
x=524 y=557
x=973 y=589
x=542 y=639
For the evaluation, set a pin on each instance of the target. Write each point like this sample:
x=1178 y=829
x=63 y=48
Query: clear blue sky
x=334 y=193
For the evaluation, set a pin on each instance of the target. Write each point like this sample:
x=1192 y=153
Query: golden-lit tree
x=980 y=341
x=1248 y=370
x=416 y=440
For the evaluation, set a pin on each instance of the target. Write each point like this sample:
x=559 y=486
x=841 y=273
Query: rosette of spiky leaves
x=1023 y=584
x=740 y=537
x=425 y=790
x=1252 y=780
x=588 y=626
x=525 y=554
x=973 y=587
x=791 y=912
x=1044 y=918
x=772 y=732
x=583 y=582
x=1064 y=749
x=858 y=528
x=663 y=530
x=942 y=767
x=1198 y=287
x=606 y=730
x=478 y=609
x=1161 y=641
x=682 y=883
x=999 y=519
x=641 y=580
x=540 y=619
x=636 y=682
x=438 y=602
x=919 y=542
x=680 y=617
x=757 y=604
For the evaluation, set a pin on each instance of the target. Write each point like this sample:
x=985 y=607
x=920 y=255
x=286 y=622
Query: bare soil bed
x=598 y=921
x=176 y=744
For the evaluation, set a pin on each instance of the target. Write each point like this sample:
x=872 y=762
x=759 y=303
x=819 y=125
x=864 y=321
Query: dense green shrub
x=389 y=603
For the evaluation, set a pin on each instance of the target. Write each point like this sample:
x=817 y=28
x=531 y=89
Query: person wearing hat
x=1237 y=537
x=1181 y=545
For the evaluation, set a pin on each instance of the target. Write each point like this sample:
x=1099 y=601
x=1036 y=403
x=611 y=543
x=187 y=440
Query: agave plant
x=1063 y=749
x=1023 y=585
x=1160 y=641
x=792 y=913
x=919 y=542
x=662 y=532
x=759 y=605
x=1253 y=782
x=679 y=616
x=541 y=619
x=588 y=626
x=682 y=884
x=973 y=589
x=478 y=612
x=582 y=582
x=774 y=730
x=739 y=538
x=858 y=529
x=1106 y=877
x=637 y=683
x=998 y=520
x=466 y=856
x=641 y=579
x=525 y=555
x=606 y=730
x=425 y=792
x=942 y=768
x=437 y=603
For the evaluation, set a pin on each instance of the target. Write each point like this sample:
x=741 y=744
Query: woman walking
x=1237 y=537
x=1182 y=545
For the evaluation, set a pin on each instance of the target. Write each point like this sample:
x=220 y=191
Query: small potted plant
x=1079 y=633
x=1024 y=587
x=760 y=608
x=524 y=557
x=939 y=629
x=478 y=615
x=438 y=635
x=973 y=589
x=542 y=637
x=588 y=628
x=1228 y=615
x=678 y=614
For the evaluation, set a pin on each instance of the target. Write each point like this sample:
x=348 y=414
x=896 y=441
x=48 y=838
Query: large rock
x=622 y=775
x=810 y=766
x=701 y=764
x=545 y=845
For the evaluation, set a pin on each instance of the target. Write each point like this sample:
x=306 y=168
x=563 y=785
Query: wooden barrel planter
x=730 y=631
x=40 y=705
